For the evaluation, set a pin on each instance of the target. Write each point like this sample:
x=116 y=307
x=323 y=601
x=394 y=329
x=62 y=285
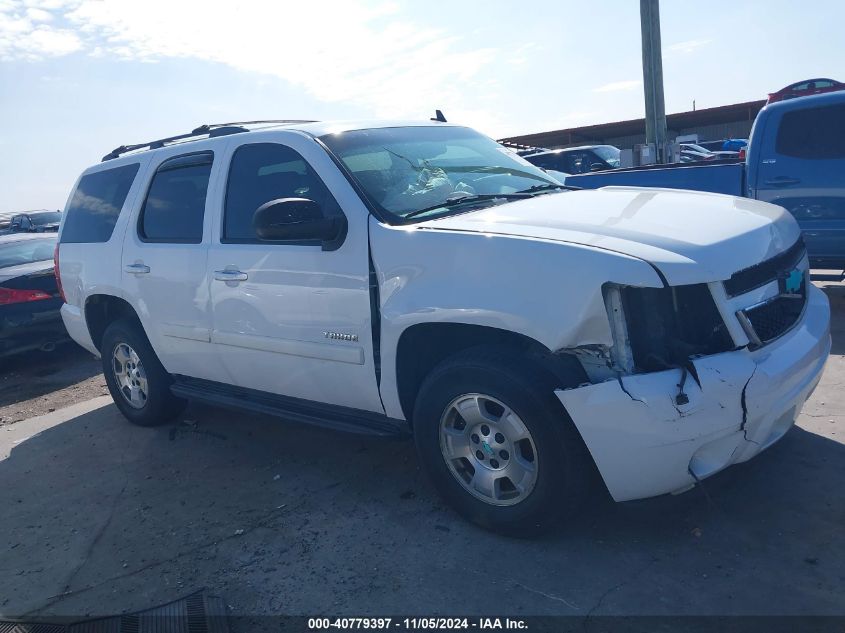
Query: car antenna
x=438 y=116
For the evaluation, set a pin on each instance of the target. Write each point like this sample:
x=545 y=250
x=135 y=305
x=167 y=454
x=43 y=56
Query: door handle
x=782 y=181
x=137 y=269
x=230 y=275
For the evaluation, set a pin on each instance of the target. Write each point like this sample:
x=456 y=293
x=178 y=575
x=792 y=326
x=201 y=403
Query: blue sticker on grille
x=793 y=281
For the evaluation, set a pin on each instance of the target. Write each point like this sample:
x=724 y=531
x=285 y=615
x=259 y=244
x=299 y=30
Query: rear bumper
x=644 y=444
x=29 y=326
x=77 y=328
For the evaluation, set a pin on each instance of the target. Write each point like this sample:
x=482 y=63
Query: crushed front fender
x=645 y=443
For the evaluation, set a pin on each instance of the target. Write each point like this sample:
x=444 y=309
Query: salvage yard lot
x=99 y=517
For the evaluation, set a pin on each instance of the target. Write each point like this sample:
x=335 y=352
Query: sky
x=80 y=77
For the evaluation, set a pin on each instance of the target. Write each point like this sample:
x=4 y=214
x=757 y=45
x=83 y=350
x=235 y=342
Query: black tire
x=563 y=465
x=160 y=405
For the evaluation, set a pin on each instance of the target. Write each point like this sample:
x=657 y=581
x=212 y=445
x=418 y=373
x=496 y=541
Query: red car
x=806 y=87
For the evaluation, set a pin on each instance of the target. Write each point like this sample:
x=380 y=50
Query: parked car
x=695 y=150
x=577 y=160
x=5 y=219
x=398 y=279
x=686 y=158
x=35 y=222
x=734 y=144
x=523 y=151
x=693 y=156
x=29 y=297
x=806 y=88
x=795 y=159
x=725 y=145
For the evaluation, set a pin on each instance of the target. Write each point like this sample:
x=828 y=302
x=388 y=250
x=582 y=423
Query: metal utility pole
x=655 y=112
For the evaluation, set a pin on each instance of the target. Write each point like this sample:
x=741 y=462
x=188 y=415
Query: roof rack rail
x=210 y=129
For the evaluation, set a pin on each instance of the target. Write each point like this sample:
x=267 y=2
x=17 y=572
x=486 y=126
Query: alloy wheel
x=130 y=375
x=488 y=449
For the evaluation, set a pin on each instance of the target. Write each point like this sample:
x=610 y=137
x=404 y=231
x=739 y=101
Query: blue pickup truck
x=796 y=159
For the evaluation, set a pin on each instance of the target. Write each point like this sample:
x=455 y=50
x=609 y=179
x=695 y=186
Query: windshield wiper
x=549 y=186
x=450 y=203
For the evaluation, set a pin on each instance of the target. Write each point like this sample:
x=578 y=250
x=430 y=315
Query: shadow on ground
x=836 y=294
x=100 y=516
x=36 y=374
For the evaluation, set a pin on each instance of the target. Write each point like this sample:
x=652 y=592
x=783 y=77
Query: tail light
x=56 y=271
x=742 y=153
x=13 y=295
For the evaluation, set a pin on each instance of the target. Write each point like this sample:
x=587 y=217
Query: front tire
x=137 y=381
x=497 y=444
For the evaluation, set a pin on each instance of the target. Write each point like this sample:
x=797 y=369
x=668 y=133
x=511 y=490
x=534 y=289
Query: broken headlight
x=666 y=326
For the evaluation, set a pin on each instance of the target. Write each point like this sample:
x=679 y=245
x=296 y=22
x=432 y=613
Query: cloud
x=50 y=5
x=38 y=15
x=342 y=51
x=618 y=86
x=24 y=34
x=522 y=55
x=689 y=46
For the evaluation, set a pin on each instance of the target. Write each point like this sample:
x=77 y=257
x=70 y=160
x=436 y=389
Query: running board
x=328 y=416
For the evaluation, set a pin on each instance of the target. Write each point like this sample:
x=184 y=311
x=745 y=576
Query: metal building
x=711 y=124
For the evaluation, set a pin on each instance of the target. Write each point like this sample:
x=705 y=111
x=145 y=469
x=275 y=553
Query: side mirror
x=286 y=219
x=597 y=167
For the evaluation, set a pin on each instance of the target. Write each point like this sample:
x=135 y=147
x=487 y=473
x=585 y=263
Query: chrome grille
x=771 y=319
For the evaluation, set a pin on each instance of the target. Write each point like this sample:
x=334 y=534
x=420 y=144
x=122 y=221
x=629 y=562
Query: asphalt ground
x=101 y=517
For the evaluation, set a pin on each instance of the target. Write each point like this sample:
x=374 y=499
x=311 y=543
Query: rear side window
x=813 y=133
x=175 y=204
x=96 y=203
x=261 y=172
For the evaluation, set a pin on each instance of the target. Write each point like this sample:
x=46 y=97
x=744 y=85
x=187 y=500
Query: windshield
x=26 y=251
x=608 y=154
x=407 y=171
x=39 y=219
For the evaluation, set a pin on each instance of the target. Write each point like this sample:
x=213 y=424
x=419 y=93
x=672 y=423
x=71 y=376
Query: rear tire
x=137 y=381
x=498 y=445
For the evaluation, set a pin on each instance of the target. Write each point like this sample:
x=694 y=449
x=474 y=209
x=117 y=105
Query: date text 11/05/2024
x=412 y=624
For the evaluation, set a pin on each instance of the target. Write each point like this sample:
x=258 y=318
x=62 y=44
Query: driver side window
x=261 y=172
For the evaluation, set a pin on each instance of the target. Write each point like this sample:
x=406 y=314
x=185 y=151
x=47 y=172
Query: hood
x=690 y=237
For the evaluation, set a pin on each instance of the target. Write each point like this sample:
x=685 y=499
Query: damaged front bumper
x=644 y=443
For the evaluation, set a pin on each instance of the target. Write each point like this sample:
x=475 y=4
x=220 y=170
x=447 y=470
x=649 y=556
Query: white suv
x=419 y=278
